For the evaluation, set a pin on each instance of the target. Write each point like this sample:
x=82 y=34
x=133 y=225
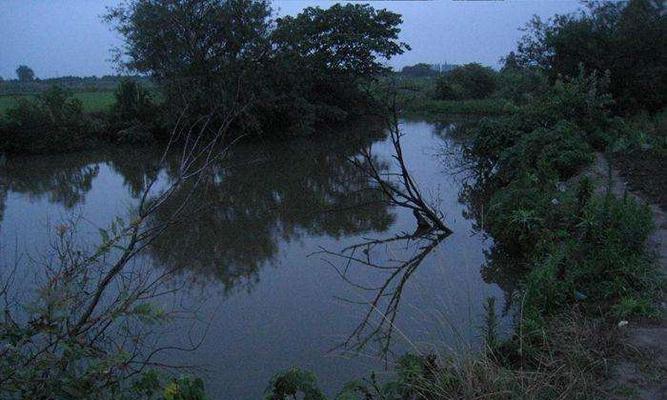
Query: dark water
x=258 y=261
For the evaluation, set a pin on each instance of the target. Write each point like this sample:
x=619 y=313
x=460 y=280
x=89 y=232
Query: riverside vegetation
x=580 y=252
x=577 y=253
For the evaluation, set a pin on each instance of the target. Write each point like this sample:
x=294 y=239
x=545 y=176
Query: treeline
x=622 y=40
x=227 y=62
x=421 y=70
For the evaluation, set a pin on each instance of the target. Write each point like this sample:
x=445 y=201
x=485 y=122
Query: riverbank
x=573 y=255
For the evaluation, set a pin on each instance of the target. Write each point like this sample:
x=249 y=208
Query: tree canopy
x=212 y=55
x=626 y=38
x=418 y=70
x=470 y=81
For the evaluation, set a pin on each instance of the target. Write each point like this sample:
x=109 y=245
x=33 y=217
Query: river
x=259 y=267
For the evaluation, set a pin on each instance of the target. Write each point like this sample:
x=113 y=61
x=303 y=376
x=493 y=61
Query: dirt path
x=641 y=370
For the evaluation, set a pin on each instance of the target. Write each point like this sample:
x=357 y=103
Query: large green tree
x=322 y=57
x=626 y=38
x=350 y=39
x=288 y=74
x=199 y=51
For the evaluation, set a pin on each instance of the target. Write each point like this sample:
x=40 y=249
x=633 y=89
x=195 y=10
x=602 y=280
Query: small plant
x=289 y=384
x=490 y=328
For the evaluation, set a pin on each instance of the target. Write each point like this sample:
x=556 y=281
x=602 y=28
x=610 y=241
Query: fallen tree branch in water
x=399 y=187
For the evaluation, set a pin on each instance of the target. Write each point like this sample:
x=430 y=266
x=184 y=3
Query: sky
x=68 y=37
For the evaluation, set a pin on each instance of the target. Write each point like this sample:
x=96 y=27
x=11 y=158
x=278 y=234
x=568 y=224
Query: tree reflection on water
x=378 y=321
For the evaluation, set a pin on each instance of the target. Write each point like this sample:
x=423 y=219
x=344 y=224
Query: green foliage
x=282 y=76
x=50 y=349
x=630 y=306
x=133 y=101
x=521 y=85
x=640 y=132
x=52 y=121
x=205 y=55
x=470 y=81
x=581 y=247
x=490 y=329
x=185 y=389
x=134 y=116
x=436 y=108
x=551 y=134
x=323 y=38
x=601 y=261
x=625 y=38
x=561 y=150
x=292 y=382
x=314 y=78
x=419 y=70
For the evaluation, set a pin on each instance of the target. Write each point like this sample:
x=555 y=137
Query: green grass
x=92 y=101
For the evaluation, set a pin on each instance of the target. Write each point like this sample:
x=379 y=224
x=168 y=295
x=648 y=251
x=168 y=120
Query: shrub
x=470 y=81
x=52 y=121
x=521 y=85
x=133 y=101
x=134 y=117
x=561 y=149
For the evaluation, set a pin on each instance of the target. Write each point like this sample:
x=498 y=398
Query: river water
x=261 y=265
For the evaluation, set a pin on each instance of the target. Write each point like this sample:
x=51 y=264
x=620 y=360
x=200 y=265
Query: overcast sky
x=67 y=37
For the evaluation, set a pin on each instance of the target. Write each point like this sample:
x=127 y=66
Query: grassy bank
x=91 y=101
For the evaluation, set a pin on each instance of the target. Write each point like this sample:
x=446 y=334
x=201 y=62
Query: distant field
x=92 y=101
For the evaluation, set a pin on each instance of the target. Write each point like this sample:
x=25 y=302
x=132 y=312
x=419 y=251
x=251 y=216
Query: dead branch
x=399 y=187
x=385 y=297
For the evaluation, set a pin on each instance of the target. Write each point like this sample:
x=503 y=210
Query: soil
x=640 y=371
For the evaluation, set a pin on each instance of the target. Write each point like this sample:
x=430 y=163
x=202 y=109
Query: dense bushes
x=470 y=81
x=52 y=121
x=625 y=38
x=581 y=247
x=521 y=85
x=134 y=117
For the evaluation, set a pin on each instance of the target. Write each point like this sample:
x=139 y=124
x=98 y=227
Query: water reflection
x=257 y=198
x=377 y=324
x=63 y=180
x=263 y=194
x=254 y=221
x=503 y=265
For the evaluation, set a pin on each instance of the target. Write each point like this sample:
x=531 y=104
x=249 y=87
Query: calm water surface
x=257 y=262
